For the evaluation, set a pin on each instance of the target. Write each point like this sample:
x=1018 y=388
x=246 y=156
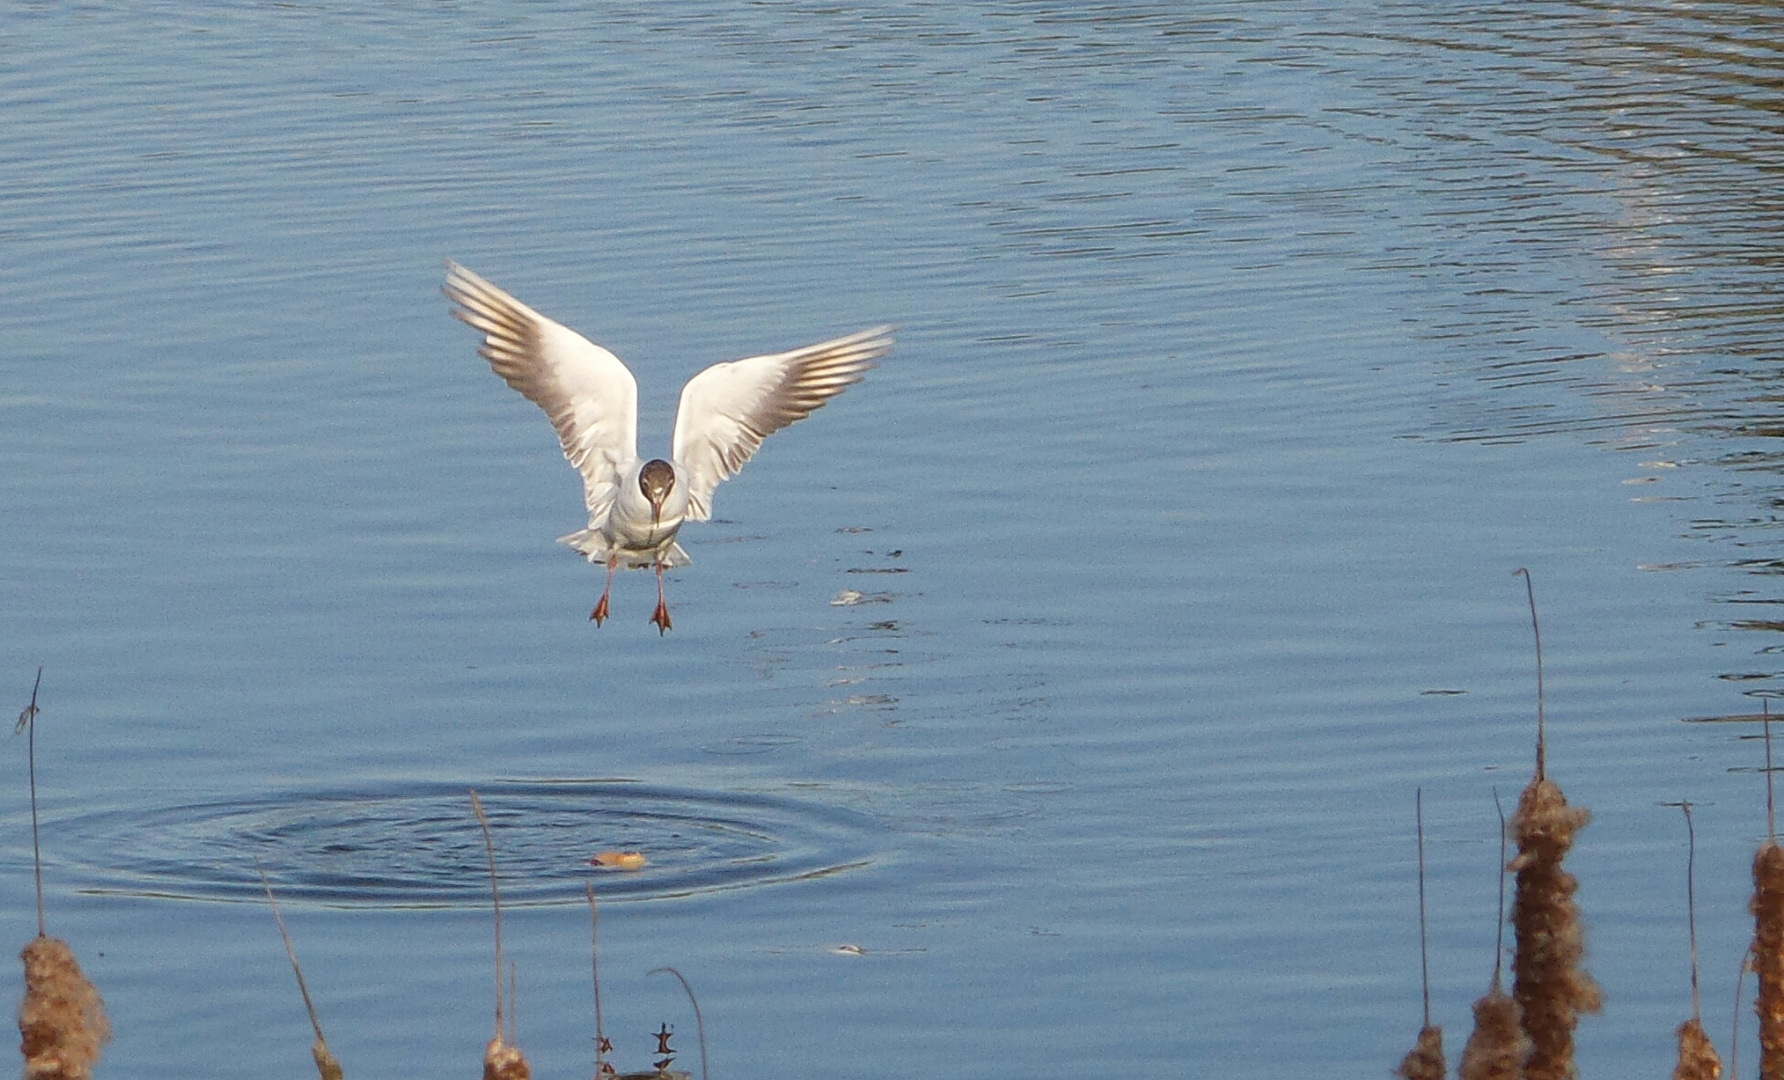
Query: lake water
x=1244 y=352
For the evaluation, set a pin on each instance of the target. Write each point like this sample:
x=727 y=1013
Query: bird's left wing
x=589 y=396
x=728 y=409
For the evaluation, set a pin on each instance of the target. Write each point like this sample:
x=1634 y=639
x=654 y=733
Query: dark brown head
x=655 y=480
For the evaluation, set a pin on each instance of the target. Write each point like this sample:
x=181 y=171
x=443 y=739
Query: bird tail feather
x=594 y=547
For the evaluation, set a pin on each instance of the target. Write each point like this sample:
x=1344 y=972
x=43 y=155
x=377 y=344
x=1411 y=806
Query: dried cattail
x=1425 y=1060
x=504 y=1062
x=1550 y=987
x=62 y=1019
x=1767 y=907
x=1697 y=1058
x=1498 y=1047
x=326 y=1066
x=501 y=1059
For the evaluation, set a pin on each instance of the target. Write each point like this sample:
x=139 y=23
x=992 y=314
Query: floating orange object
x=619 y=860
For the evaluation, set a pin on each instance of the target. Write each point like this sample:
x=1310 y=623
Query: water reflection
x=1609 y=194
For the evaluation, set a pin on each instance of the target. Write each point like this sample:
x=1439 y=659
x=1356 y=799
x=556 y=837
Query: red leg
x=660 y=617
x=599 y=615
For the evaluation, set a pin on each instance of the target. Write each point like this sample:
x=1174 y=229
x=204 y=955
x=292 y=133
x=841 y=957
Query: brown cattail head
x=1767 y=907
x=62 y=1020
x=504 y=1062
x=1697 y=1058
x=1498 y=1047
x=1550 y=987
x=1425 y=1060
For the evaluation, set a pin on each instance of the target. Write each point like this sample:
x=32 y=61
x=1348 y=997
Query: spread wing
x=728 y=409
x=589 y=396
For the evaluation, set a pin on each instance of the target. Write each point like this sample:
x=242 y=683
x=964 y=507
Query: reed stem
x=495 y=891
x=699 y=1023
x=28 y=724
x=1536 y=629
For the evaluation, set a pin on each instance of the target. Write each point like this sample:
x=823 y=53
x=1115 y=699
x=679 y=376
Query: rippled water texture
x=419 y=847
x=1052 y=702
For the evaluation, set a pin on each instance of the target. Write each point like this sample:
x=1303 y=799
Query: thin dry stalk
x=326 y=1065
x=1771 y=817
x=699 y=1021
x=62 y=1023
x=1425 y=1060
x=602 y=1046
x=1734 y=1023
x=495 y=891
x=1499 y=929
x=1691 y=908
x=1536 y=629
x=1697 y=1058
x=1551 y=988
x=1498 y=1047
x=27 y=724
x=1767 y=907
x=501 y=1059
x=1418 y=813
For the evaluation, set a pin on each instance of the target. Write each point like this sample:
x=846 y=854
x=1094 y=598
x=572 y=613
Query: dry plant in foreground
x=603 y=1047
x=662 y=1067
x=501 y=1059
x=1551 y=989
x=1497 y=1047
x=1697 y=1056
x=62 y=1023
x=62 y=1019
x=1767 y=954
x=1425 y=1060
x=326 y=1066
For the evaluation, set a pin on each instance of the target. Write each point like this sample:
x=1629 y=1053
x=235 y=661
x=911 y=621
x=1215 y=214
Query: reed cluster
x=1528 y=1034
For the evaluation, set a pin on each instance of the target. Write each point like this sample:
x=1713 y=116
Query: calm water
x=1244 y=351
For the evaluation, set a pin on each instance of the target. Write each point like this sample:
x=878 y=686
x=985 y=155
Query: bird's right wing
x=589 y=396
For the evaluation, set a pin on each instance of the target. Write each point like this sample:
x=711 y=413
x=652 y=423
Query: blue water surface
x=1053 y=702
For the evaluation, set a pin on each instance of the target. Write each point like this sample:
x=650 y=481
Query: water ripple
x=418 y=845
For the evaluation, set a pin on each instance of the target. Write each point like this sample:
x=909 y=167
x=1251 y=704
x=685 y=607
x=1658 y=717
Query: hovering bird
x=636 y=507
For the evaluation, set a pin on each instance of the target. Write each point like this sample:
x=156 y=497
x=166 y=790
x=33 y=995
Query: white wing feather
x=589 y=396
x=728 y=409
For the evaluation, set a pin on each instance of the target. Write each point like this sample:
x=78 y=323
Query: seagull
x=636 y=507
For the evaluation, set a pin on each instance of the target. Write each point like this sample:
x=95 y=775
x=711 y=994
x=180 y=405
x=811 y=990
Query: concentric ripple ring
x=419 y=846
